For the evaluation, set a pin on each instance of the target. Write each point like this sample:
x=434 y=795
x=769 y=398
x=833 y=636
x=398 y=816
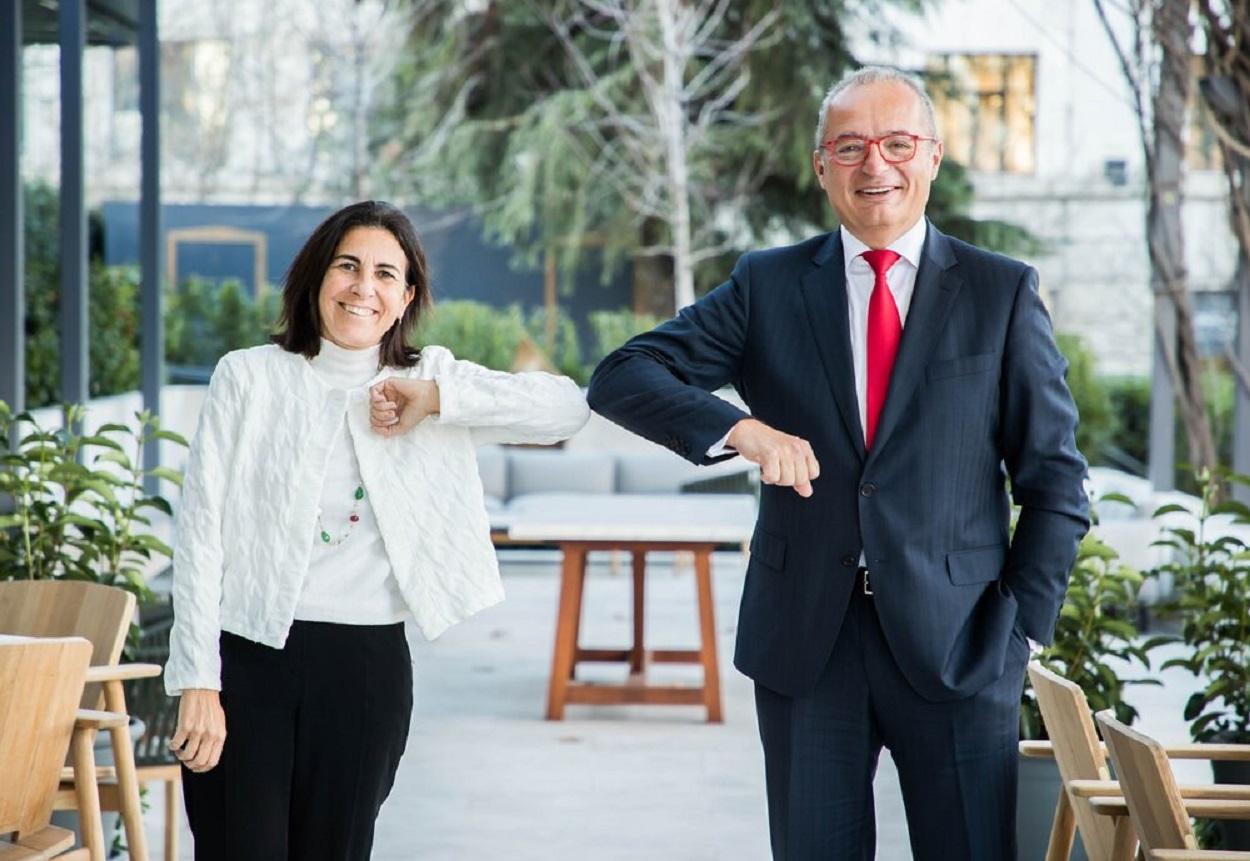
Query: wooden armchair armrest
x=1209 y=751
x=122 y=672
x=92 y=719
x=1037 y=750
x=1110 y=788
x=1197 y=855
x=1209 y=808
x=1223 y=752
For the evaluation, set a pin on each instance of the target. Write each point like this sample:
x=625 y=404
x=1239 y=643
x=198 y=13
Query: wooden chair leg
x=1062 y=830
x=127 y=781
x=572 y=576
x=172 y=801
x=707 y=633
x=637 y=655
x=87 y=793
x=1124 y=843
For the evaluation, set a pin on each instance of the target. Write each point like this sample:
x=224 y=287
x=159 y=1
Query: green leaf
x=112 y=427
x=151 y=542
x=1171 y=508
x=1194 y=706
x=167 y=474
x=172 y=437
x=117 y=457
x=157 y=502
x=101 y=441
x=1116 y=497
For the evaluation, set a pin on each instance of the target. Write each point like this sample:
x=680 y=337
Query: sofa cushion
x=653 y=472
x=492 y=466
x=544 y=471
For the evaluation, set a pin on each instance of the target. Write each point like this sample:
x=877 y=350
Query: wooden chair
x=1160 y=814
x=1106 y=830
x=41 y=681
x=102 y=615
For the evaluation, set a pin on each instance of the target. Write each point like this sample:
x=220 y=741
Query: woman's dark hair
x=300 y=323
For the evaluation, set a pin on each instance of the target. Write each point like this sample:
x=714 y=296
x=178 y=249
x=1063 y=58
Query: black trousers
x=314 y=735
x=956 y=760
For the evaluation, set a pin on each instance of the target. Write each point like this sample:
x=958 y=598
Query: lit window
x=986 y=109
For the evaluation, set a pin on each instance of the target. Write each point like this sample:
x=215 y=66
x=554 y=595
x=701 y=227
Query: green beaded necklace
x=352 y=519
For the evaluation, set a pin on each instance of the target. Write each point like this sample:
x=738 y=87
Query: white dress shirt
x=860 y=280
x=859 y=284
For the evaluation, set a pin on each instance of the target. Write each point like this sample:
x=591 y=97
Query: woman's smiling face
x=364 y=291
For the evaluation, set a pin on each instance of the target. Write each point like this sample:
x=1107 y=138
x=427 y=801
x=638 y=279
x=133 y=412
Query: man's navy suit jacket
x=977 y=397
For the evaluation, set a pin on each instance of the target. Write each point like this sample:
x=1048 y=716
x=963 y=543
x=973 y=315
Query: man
x=896 y=379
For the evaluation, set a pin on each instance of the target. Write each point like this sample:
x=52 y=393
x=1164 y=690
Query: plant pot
x=1038 y=787
x=103 y=758
x=1236 y=832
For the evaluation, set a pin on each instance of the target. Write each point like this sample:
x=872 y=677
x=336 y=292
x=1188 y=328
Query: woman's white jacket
x=253 y=482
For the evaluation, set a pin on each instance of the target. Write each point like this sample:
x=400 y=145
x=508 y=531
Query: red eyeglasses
x=895 y=149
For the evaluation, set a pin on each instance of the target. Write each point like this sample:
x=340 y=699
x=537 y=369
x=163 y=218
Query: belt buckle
x=867 y=588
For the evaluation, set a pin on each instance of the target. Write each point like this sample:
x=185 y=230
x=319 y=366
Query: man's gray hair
x=875 y=75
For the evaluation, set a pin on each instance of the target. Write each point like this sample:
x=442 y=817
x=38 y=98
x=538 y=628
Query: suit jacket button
x=849 y=561
x=867 y=489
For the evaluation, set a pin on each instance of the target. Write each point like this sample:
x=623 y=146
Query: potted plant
x=1211 y=595
x=73 y=506
x=1095 y=628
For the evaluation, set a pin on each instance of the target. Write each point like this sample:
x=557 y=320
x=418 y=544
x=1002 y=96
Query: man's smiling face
x=878 y=201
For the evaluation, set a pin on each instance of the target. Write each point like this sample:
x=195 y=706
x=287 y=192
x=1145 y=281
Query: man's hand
x=783 y=459
x=201 y=731
x=397 y=405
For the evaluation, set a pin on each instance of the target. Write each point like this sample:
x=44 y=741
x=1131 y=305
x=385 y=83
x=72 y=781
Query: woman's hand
x=201 y=731
x=397 y=404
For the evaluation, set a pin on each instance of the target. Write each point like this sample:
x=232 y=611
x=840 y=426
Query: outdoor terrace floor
x=485 y=777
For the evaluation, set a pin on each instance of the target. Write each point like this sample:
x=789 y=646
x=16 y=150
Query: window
x=986 y=109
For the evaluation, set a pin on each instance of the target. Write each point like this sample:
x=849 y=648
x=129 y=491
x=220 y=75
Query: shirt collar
x=908 y=246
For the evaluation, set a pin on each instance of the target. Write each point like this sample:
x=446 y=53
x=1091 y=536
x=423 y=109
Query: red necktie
x=884 y=331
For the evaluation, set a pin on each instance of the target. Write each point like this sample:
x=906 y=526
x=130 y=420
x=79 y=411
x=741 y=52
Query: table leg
x=637 y=655
x=707 y=629
x=573 y=573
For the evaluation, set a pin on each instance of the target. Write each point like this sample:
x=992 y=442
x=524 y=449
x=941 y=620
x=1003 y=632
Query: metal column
x=12 y=243
x=72 y=28
x=152 y=338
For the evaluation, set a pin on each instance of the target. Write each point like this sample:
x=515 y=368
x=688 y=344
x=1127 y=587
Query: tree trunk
x=1227 y=92
x=670 y=107
x=1164 y=231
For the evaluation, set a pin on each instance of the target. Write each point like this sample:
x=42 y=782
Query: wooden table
x=637 y=524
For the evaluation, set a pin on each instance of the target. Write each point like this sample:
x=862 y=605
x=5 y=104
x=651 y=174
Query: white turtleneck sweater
x=350 y=582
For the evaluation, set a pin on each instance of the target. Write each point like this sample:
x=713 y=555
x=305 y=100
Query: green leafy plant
x=205 y=320
x=1211 y=593
x=614 y=328
x=1095 y=627
x=475 y=331
x=73 y=505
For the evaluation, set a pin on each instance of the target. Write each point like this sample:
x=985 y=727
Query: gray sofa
x=516 y=480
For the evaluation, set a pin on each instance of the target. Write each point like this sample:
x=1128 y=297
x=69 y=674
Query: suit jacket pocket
x=769 y=549
x=978 y=565
x=962 y=366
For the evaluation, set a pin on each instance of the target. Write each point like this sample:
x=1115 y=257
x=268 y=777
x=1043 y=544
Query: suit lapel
x=824 y=295
x=937 y=285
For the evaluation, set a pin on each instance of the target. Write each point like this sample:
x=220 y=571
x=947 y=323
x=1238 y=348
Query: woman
x=331 y=493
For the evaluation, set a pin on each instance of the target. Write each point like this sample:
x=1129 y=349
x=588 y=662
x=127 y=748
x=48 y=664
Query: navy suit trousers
x=956 y=760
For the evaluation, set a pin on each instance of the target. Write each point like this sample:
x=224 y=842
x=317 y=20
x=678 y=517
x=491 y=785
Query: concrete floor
x=485 y=777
